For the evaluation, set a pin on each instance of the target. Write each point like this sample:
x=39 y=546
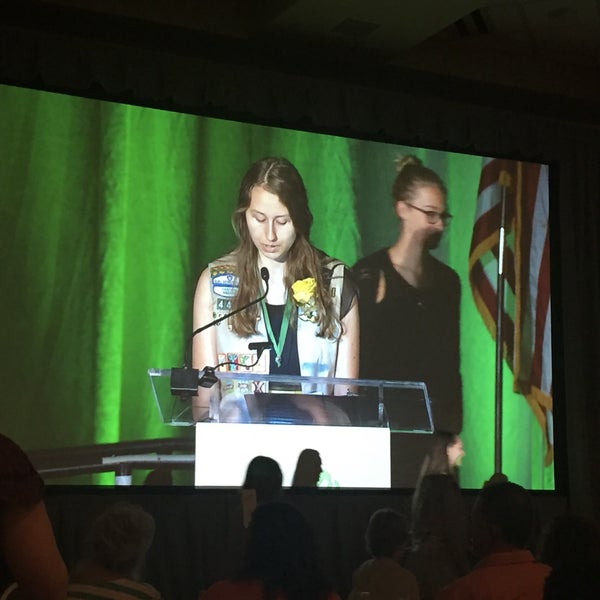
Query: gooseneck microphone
x=185 y=380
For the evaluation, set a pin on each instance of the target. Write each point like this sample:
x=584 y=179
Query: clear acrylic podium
x=279 y=416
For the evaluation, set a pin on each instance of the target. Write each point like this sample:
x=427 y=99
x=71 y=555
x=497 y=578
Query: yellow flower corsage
x=304 y=295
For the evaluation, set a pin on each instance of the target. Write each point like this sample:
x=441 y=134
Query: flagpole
x=504 y=183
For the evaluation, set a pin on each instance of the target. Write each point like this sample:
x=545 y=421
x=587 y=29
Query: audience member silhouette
x=439 y=549
x=115 y=550
x=262 y=483
x=280 y=560
x=159 y=476
x=308 y=469
x=496 y=478
x=571 y=546
x=263 y=475
x=573 y=581
x=29 y=557
x=571 y=538
x=503 y=518
x=382 y=577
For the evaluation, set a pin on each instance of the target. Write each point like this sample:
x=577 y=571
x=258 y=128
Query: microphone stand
x=185 y=380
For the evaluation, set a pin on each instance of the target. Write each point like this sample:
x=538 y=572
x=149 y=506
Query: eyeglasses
x=433 y=216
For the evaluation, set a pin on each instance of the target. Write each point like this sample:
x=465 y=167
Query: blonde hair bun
x=405 y=161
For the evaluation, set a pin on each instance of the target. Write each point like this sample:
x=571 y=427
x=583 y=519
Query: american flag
x=526 y=327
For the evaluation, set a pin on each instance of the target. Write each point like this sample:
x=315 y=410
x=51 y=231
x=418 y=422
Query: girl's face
x=415 y=220
x=455 y=453
x=270 y=225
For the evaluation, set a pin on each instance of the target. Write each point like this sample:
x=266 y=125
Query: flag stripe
x=487 y=296
x=526 y=327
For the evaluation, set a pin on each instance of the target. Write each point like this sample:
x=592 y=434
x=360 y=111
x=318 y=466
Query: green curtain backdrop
x=108 y=214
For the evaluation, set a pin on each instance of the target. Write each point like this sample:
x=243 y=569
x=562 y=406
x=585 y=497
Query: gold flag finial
x=504 y=178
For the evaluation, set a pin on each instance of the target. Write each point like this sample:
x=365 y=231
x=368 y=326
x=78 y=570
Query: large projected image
x=111 y=212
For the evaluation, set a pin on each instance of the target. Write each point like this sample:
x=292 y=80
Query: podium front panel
x=352 y=457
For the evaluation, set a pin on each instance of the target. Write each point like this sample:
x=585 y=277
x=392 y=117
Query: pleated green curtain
x=108 y=214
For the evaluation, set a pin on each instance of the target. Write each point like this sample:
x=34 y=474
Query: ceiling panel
x=550 y=45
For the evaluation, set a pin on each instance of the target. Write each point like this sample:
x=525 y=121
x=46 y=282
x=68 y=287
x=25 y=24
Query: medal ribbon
x=280 y=343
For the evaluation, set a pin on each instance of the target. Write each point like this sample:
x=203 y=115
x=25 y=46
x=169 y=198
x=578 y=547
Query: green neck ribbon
x=278 y=344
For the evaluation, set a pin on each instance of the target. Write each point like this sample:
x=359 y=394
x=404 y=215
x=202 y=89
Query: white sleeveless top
x=317 y=355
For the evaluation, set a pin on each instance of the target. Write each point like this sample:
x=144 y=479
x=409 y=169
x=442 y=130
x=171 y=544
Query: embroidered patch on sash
x=224 y=281
x=237 y=361
x=242 y=360
x=223 y=305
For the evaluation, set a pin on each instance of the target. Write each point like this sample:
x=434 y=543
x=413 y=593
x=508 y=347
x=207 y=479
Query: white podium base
x=352 y=457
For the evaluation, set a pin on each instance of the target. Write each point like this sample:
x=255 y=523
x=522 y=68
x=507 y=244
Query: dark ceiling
x=550 y=46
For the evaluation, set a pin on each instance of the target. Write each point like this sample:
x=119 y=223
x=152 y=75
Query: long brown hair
x=280 y=177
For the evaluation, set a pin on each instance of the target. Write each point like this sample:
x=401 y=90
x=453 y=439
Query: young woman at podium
x=309 y=311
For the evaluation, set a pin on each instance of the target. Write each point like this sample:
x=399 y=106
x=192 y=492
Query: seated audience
x=280 y=560
x=503 y=518
x=308 y=469
x=439 y=548
x=29 y=557
x=382 y=577
x=114 y=554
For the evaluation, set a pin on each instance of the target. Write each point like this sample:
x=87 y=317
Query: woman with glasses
x=409 y=300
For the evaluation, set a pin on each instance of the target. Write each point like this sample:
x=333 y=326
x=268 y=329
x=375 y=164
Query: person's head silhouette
x=308 y=469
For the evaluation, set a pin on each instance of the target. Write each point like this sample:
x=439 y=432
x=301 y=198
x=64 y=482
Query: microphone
x=185 y=380
x=260 y=346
